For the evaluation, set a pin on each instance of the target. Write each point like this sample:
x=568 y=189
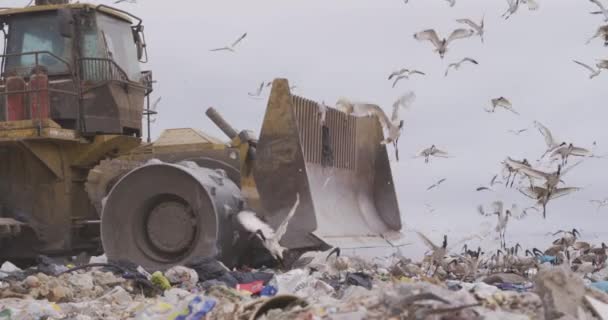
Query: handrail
x=36 y=53
x=121 y=71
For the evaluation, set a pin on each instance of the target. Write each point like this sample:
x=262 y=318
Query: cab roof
x=105 y=9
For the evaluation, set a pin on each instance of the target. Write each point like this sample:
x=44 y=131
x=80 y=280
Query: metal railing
x=101 y=70
x=36 y=54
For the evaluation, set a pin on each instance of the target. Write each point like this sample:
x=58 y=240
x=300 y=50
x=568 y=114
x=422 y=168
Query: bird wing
x=405 y=101
x=468 y=22
x=221 y=49
x=422 y=152
x=502 y=102
x=283 y=226
x=399 y=78
x=533 y=173
x=416 y=72
x=239 y=39
x=451 y=65
x=578 y=151
x=531 y=192
x=473 y=61
x=586 y=66
x=441 y=181
x=258 y=91
x=376 y=110
x=599 y=4
x=460 y=34
x=560 y=192
x=430 y=35
x=252 y=223
x=497 y=207
x=426 y=241
x=392 y=75
x=482 y=211
x=546 y=133
x=439 y=153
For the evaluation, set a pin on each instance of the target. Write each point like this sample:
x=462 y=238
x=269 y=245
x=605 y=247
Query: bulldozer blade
x=338 y=167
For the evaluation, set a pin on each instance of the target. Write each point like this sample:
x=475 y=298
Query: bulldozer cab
x=75 y=64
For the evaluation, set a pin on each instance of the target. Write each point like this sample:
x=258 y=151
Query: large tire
x=161 y=214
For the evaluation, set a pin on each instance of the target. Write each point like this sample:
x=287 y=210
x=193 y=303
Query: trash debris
x=8 y=267
x=160 y=280
x=182 y=275
x=342 y=288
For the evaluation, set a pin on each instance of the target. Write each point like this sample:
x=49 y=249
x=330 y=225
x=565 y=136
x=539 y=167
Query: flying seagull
x=600 y=203
x=432 y=151
x=441 y=46
x=436 y=184
x=518 y=132
x=403 y=74
x=602 y=9
x=593 y=72
x=360 y=109
x=601 y=32
x=477 y=27
x=270 y=238
x=396 y=124
x=513 y=6
x=232 y=46
x=456 y=65
x=550 y=141
x=258 y=92
x=501 y=102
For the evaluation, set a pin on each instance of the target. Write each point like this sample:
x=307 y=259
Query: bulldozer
x=76 y=176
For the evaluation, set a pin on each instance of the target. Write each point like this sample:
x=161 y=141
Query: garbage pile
x=319 y=285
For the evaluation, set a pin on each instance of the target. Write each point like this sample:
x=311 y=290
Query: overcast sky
x=347 y=48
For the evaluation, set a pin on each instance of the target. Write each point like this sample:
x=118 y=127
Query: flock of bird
x=543 y=185
x=581 y=256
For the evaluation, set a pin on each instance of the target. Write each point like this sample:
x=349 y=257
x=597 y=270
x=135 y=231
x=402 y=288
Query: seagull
x=128 y=1
x=406 y=72
x=436 y=184
x=601 y=32
x=403 y=74
x=542 y=195
x=600 y=203
x=429 y=208
x=442 y=45
x=492 y=183
x=519 y=131
x=594 y=72
x=437 y=252
x=602 y=9
x=232 y=46
x=258 y=92
x=456 y=65
x=363 y=109
x=269 y=237
x=503 y=103
x=551 y=142
x=431 y=151
x=513 y=6
x=514 y=168
x=396 y=124
x=478 y=28
x=564 y=152
x=503 y=218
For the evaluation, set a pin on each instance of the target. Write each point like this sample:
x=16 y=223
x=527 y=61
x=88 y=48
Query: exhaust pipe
x=50 y=2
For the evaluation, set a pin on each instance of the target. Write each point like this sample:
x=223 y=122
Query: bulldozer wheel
x=102 y=178
x=162 y=214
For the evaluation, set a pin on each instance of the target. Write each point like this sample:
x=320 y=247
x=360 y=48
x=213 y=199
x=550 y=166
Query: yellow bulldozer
x=75 y=175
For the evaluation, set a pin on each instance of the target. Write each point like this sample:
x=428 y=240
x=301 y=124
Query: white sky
x=347 y=48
